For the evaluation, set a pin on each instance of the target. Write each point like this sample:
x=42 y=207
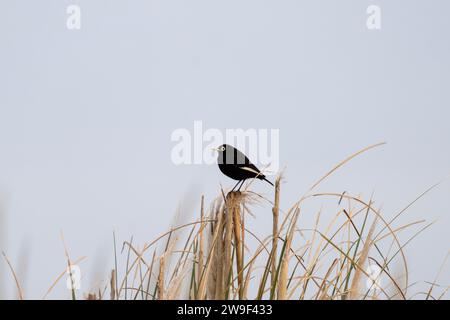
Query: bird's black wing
x=244 y=163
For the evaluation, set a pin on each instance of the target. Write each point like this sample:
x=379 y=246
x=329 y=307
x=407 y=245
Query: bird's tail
x=265 y=179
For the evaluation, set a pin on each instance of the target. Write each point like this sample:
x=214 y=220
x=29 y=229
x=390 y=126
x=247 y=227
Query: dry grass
x=218 y=262
x=221 y=258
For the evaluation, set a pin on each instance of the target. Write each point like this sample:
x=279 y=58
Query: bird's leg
x=235 y=186
x=241 y=185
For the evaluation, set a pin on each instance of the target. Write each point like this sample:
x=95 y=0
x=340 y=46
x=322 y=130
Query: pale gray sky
x=86 y=116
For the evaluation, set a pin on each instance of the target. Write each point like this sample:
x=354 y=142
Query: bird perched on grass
x=235 y=165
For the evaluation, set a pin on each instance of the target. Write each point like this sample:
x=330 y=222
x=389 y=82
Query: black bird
x=235 y=165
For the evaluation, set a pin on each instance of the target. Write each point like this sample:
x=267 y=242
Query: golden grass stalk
x=275 y=215
x=91 y=296
x=112 y=284
x=205 y=276
x=232 y=201
x=238 y=248
x=202 y=239
x=160 y=284
x=16 y=280
x=284 y=265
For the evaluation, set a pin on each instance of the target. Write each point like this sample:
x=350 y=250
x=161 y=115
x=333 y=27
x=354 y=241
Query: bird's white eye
x=222 y=148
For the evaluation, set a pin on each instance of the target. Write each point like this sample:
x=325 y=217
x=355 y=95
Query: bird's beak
x=215 y=149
